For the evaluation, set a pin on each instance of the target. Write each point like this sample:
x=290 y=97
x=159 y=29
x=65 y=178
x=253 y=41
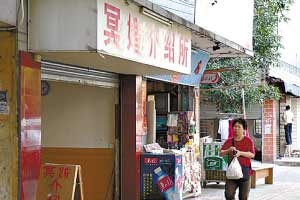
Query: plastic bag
x=234 y=170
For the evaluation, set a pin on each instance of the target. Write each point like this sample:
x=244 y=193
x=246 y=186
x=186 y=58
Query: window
x=258 y=128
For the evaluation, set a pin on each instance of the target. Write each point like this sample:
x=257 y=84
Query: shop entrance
x=78 y=127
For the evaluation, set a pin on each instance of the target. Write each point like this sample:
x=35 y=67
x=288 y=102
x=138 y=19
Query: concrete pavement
x=286 y=186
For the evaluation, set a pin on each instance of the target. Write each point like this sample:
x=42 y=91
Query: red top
x=246 y=144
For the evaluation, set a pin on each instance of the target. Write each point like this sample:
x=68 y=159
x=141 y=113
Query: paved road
x=286 y=187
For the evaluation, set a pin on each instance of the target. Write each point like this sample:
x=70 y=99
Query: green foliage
x=247 y=73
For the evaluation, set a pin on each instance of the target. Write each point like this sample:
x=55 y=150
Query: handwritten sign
x=124 y=32
x=60 y=182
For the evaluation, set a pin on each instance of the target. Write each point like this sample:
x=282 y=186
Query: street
x=286 y=187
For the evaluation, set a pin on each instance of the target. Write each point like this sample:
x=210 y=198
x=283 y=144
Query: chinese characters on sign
x=165 y=183
x=58 y=182
x=151 y=160
x=112 y=23
x=124 y=32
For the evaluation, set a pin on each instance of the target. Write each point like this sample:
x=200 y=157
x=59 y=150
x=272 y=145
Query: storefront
x=86 y=113
x=92 y=62
x=78 y=123
x=173 y=123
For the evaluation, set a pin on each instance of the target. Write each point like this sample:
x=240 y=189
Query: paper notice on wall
x=268 y=128
x=4 y=108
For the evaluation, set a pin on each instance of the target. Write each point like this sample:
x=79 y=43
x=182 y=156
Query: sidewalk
x=286 y=187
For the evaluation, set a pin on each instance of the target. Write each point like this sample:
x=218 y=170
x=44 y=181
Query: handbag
x=245 y=169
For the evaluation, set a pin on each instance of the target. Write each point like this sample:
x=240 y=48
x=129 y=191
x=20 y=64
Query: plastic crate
x=214 y=163
x=215 y=175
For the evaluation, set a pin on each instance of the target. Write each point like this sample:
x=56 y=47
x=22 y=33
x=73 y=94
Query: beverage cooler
x=161 y=177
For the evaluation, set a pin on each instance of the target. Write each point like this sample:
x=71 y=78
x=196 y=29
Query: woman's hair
x=241 y=121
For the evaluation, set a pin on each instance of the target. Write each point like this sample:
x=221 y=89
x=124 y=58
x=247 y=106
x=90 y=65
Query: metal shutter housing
x=78 y=75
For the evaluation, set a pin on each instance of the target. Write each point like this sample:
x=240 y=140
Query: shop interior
x=78 y=127
x=171 y=122
x=173 y=100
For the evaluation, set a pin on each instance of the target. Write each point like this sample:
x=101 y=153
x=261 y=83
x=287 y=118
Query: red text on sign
x=154 y=41
x=151 y=160
x=64 y=172
x=183 y=50
x=112 y=24
x=134 y=38
x=49 y=171
x=169 y=46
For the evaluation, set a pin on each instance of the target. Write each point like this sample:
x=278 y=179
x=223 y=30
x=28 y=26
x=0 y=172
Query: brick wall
x=269 y=131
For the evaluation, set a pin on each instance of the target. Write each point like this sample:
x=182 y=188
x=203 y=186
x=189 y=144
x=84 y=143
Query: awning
x=290 y=81
x=292 y=89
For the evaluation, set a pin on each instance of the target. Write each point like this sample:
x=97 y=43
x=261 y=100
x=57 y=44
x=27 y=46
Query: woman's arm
x=244 y=154
x=227 y=151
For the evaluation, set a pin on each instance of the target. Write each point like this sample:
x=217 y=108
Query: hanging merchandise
x=181 y=134
x=192 y=175
x=224 y=129
x=192 y=127
x=172 y=120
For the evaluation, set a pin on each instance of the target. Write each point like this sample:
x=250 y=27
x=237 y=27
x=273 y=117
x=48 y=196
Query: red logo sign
x=165 y=183
x=210 y=78
x=151 y=160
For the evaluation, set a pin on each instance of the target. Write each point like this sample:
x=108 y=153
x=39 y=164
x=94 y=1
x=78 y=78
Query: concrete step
x=288 y=161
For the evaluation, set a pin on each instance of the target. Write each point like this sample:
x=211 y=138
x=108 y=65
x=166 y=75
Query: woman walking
x=242 y=147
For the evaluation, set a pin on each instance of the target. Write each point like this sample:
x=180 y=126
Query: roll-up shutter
x=209 y=111
x=254 y=111
x=78 y=75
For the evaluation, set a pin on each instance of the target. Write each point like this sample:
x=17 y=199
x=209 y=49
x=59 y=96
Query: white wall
x=63 y=24
x=290 y=33
x=231 y=19
x=78 y=116
x=296 y=129
x=8 y=12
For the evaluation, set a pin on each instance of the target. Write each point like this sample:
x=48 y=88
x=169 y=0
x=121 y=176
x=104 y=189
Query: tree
x=249 y=73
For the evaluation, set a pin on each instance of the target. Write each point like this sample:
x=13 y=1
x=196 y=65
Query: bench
x=262 y=172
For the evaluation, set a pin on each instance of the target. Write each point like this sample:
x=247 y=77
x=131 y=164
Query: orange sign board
x=60 y=182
